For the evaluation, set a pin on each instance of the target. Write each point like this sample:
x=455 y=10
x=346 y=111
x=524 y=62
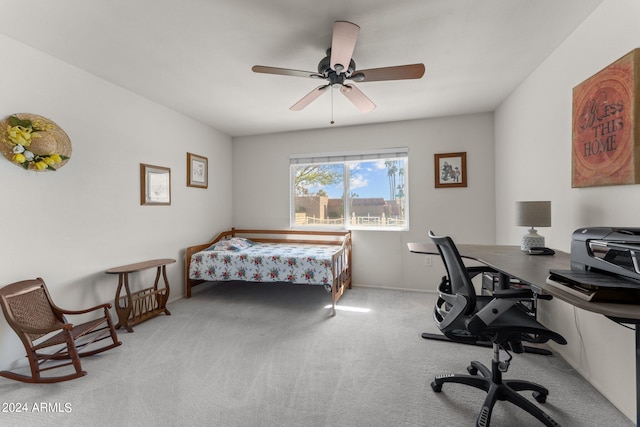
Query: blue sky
x=368 y=179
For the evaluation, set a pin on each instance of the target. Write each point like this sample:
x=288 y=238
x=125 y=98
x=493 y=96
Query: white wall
x=533 y=162
x=71 y=225
x=380 y=258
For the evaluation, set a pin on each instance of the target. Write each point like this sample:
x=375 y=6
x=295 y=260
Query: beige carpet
x=270 y=355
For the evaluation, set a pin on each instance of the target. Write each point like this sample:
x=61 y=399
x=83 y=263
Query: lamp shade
x=533 y=214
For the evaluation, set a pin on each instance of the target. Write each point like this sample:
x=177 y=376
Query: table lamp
x=533 y=214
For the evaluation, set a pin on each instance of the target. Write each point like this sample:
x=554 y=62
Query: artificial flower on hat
x=34 y=142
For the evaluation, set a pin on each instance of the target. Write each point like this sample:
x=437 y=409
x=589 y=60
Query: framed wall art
x=605 y=136
x=197 y=171
x=155 y=185
x=450 y=170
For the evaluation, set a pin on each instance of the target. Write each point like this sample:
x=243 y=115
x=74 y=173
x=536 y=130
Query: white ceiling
x=195 y=56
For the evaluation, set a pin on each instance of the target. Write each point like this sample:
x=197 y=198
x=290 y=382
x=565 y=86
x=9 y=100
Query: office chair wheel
x=472 y=370
x=539 y=397
x=436 y=387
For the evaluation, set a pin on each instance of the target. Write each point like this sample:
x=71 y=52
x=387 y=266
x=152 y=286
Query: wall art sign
x=450 y=170
x=605 y=138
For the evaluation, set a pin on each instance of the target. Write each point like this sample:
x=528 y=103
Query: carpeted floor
x=270 y=355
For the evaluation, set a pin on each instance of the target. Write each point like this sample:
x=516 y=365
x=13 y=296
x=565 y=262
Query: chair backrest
x=459 y=279
x=27 y=304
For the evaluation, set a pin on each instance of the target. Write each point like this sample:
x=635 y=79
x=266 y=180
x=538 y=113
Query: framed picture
x=155 y=185
x=450 y=170
x=606 y=137
x=197 y=171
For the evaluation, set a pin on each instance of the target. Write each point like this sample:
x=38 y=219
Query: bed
x=320 y=258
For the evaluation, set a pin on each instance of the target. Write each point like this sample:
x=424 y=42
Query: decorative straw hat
x=34 y=142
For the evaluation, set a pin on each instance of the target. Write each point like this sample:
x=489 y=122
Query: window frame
x=346 y=159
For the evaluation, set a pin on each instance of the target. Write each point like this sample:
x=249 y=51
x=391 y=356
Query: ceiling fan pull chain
x=332 y=122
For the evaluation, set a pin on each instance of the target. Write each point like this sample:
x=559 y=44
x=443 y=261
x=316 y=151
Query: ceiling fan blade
x=309 y=98
x=400 y=72
x=345 y=35
x=285 y=71
x=358 y=98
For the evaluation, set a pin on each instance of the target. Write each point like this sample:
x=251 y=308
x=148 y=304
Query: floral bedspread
x=266 y=262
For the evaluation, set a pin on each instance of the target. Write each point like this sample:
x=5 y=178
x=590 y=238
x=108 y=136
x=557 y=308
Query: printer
x=604 y=265
x=613 y=250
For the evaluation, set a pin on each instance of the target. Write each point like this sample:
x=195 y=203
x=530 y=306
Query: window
x=364 y=190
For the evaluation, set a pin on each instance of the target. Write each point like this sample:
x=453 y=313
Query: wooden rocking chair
x=34 y=317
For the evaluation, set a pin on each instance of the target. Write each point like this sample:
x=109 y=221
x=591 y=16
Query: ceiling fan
x=339 y=70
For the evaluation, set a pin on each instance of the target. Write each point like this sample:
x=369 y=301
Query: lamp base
x=531 y=240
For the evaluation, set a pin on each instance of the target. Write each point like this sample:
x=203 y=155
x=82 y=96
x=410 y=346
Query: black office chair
x=464 y=316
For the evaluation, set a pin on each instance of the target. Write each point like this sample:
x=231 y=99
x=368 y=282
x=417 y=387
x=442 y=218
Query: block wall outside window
x=365 y=190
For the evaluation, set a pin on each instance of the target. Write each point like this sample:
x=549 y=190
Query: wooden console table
x=133 y=308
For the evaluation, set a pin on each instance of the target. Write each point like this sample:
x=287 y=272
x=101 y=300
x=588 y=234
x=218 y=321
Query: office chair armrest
x=490 y=312
x=513 y=293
